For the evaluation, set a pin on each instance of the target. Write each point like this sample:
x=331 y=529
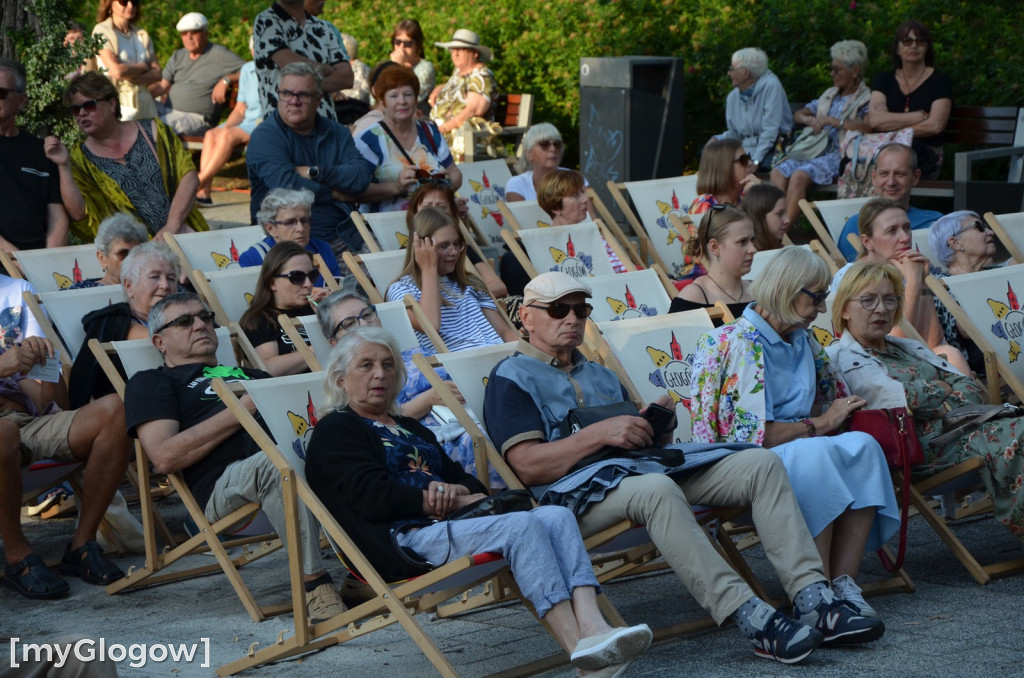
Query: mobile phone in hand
x=662 y=420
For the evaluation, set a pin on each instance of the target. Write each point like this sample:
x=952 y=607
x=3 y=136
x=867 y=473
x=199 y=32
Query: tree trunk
x=14 y=17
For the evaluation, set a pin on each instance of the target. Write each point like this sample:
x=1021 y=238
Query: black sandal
x=33 y=579
x=89 y=563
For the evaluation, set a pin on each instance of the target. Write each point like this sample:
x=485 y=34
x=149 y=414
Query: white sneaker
x=846 y=589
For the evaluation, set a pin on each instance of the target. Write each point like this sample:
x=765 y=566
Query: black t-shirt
x=267 y=331
x=29 y=183
x=184 y=394
x=936 y=86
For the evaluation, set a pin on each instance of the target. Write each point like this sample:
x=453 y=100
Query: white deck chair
x=653 y=201
x=524 y=214
x=382 y=269
x=228 y=292
x=56 y=268
x=483 y=184
x=657 y=355
x=576 y=250
x=385 y=229
x=920 y=241
x=833 y=217
x=1009 y=228
x=633 y=294
x=214 y=250
x=66 y=309
x=761 y=260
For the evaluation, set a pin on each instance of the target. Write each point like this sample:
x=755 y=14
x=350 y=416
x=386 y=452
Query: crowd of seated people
x=768 y=401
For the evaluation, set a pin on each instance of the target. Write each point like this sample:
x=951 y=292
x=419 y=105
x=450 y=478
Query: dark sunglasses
x=978 y=225
x=125 y=2
x=817 y=297
x=87 y=106
x=913 y=42
x=366 y=316
x=5 y=91
x=398 y=42
x=548 y=143
x=297 y=278
x=559 y=311
x=185 y=321
x=743 y=159
x=425 y=177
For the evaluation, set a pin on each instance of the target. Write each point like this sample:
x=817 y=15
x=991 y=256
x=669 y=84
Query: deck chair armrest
x=518 y=252
x=102 y=354
x=329 y=280
x=248 y=350
x=417 y=311
x=290 y=326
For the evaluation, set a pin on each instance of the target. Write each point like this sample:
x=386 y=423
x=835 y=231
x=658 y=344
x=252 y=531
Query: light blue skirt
x=830 y=474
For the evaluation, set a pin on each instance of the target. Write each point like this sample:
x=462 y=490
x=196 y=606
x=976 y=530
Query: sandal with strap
x=33 y=579
x=89 y=563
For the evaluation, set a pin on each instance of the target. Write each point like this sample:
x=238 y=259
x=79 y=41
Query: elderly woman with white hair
x=962 y=243
x=117 y=235
x=765 y=380
x=543 y=149
x=814 y=157
x=149 y=273
x=285 y=216
x=757 y=110
x=391 y=487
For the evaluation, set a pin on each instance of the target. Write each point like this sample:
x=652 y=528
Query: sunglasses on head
x=559 y=310
x=4 y=91
x=185 y=321
x=298 y=278
x=87 y=106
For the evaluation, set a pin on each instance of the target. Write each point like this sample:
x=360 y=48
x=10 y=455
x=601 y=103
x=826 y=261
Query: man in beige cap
x=526 y=405
x=196 y=79
x=471 y=91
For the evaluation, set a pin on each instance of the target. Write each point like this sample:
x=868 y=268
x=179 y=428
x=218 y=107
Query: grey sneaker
x=323 y=602
x=846 y=589
x=614 y=647
x=839 y=622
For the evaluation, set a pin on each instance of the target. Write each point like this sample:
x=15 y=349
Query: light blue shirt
x=788 y=370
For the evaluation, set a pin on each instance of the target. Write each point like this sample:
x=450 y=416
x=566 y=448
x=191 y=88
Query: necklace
x=909 y=88
x=735 y=299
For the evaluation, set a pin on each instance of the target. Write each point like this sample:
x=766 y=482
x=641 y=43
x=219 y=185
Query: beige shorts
x=43 y=437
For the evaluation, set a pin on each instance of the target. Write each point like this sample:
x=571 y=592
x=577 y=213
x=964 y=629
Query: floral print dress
x=998 y=441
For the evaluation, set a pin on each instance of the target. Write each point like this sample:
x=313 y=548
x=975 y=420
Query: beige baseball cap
x=552 y=286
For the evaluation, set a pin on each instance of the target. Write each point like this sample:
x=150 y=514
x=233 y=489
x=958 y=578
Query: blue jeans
x=543 y=547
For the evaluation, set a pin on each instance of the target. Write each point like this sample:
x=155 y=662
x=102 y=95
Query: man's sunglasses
x=559 y=311
x=4 y=91
x=185 y=321
x=297 y=278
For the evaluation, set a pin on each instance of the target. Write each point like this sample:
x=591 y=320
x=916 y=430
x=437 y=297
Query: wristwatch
x=226 y=81
x=313 y=172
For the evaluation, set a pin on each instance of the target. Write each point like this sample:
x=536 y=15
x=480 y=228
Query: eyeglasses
x=559 y=311
x=733 y=69
x=87 y=106
x=398 y=42
x=457 y=246
x=298 y=278
x=288 y=95
x=913 y=42
x=548 y=143
x=291 y=223
x=743 y=159
x=817 y=297
x=870 y=302
x=978 y=225
x=365 y=317
x=425 y=177
x=186 y=320
x=4 y=91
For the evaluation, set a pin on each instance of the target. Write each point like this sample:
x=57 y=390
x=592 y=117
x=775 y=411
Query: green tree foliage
x=538 y=43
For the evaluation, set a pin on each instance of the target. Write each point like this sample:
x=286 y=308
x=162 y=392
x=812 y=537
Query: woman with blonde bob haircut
x=391 y=487
x=893 y=372
x=765 y=380
x=455 y=301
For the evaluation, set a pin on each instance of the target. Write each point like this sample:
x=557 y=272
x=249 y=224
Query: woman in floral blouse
x=471 y=91
x=893 y=372
x=764 y=380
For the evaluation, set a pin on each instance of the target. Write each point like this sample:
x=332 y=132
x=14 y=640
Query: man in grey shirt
x=196 y=79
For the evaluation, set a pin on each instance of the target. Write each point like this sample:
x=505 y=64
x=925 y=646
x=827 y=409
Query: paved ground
x=949 y=627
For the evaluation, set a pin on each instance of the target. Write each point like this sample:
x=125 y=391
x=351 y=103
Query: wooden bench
x=514 y=113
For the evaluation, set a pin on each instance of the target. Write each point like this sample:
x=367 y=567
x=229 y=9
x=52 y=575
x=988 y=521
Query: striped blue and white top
x=463 y=323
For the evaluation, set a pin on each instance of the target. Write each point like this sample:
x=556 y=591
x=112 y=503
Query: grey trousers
x=756 y=477
x=257 y=479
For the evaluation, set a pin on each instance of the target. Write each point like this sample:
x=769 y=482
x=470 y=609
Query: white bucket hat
x=469 y=40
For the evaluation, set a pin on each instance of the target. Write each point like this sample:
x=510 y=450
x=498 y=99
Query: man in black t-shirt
x=34 y=215
x=184 y=427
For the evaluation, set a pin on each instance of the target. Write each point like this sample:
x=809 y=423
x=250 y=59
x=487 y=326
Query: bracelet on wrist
x=811 y=428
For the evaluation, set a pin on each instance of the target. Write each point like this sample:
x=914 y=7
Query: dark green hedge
x=539 y=42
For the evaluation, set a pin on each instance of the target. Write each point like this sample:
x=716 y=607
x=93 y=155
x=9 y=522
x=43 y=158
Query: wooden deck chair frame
x=635 y=250
x=155 y=571
x=999 y=228
x=376 y=292
x=41 y=262
x=392 y=602
x=188 y=265
x=514 y=246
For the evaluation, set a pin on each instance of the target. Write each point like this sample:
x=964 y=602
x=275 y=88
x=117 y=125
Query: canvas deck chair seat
x=524 y=214
x=53 y=268
x=283 y=402
x=214 y=250
x=577 y=250
x=828 y=217
x=648 y=206
x=375 y=271
x=483 y=185
x=138 y=355
x=633 y=294
x=382 y=231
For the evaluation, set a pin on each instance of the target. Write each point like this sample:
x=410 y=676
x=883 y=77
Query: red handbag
x=895 y=432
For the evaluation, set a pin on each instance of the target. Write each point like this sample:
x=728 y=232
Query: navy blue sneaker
x=784 y=640
x=839 y=622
